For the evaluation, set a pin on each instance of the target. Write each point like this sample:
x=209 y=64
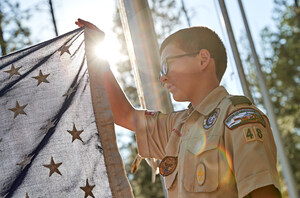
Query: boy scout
x=222 y=145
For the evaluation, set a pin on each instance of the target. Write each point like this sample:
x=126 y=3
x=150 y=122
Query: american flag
x=57 y=136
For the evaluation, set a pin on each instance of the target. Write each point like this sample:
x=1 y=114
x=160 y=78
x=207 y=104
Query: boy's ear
x=204 y=57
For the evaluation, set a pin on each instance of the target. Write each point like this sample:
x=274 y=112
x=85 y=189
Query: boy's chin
x=179 y=98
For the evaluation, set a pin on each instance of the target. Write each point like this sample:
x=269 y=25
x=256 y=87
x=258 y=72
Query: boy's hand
x=83 y=23
x=94 y=36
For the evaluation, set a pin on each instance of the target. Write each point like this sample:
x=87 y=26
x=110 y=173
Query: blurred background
x=275 y=28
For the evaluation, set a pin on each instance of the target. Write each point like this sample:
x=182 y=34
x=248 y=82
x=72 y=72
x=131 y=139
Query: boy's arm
x=269 y=191
x=123 y=112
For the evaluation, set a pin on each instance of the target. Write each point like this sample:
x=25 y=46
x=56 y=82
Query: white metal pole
x=235 y=51
x=286 y=168
x=144 y=55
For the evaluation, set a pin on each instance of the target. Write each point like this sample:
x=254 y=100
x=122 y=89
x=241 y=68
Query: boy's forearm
x=122 y=110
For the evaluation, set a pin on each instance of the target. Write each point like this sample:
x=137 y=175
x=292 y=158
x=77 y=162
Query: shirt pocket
x=201 y=165
x=170 y=180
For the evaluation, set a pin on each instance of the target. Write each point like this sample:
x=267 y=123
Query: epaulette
x=236 y=100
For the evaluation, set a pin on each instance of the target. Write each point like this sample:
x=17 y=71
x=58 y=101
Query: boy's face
x=183 y=75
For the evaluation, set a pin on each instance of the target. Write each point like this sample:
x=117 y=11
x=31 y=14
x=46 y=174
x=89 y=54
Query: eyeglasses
x=165 y=66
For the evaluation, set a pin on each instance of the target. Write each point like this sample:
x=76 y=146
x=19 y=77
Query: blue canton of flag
x=50 y=140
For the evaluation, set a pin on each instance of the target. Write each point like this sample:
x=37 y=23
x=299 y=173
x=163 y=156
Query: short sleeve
x=153 y=130
x=249 y=139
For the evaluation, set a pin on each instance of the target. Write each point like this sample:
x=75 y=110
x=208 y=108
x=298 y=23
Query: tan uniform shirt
x=223 y=150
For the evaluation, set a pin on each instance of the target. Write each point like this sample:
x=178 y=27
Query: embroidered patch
x=168 y=165
x=259 y=134
x=150 y=113
x=253 y=133
x=243 y=116
x=201 y=174
x=211 y=119
x=249 y=134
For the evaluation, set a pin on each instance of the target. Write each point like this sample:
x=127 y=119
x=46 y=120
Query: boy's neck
x=201 y=94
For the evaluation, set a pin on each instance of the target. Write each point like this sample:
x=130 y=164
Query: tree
x=167 y=16
x=281 y=65
x=53 y=17
x=14 y=34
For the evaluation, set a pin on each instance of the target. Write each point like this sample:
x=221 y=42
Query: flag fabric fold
x=57 y=134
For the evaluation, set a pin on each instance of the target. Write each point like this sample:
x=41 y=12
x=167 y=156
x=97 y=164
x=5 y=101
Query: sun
x=108 y=49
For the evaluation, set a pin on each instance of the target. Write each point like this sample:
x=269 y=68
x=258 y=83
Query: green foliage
x=166 y=17
x=281 y=65
x=141 y=181
x=14 y=34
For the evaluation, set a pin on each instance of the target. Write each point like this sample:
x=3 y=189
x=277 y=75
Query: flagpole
x=235 y=51
x=286 y=168
x=144 y=55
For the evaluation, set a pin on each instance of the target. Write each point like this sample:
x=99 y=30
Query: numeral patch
x=252 y=134
x=249 y=134
x=259 y=134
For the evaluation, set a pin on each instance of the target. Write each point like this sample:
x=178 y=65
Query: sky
x=101 y=13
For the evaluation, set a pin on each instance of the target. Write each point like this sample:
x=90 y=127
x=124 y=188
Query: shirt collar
x=211 y=101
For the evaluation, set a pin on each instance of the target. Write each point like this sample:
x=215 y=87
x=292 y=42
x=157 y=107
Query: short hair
x=196 y=38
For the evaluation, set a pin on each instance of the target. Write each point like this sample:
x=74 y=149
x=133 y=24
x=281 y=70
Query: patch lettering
x=253 y=133
x=259 y=134
x=249 y=134
x=243 y=116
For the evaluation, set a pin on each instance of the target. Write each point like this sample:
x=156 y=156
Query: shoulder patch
x=236 y=100
x=243 y=116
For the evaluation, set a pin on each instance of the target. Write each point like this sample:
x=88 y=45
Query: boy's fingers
x=81 y=20
x=83 y=23
x=87 y=24
x=79 y=24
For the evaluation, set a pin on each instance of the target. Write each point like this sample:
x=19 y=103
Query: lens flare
x=201 y=144
x=228 y=160
x=109 y=49
x=197 y=140
x=103 y=50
